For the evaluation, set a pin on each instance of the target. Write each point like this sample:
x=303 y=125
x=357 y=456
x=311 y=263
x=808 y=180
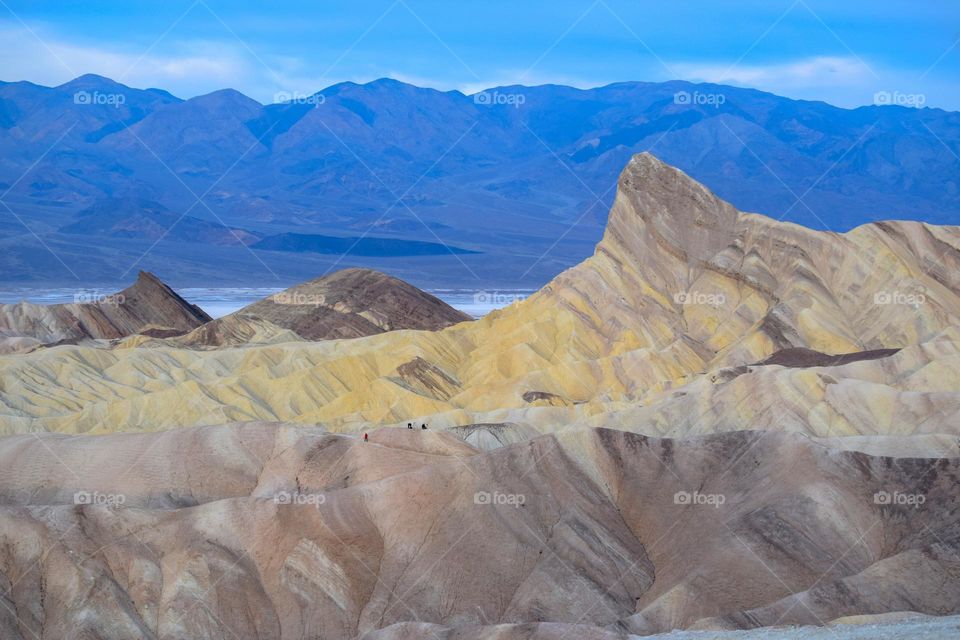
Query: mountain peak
x=225 y=99
x=147 y=277
x=91 y=81
x=656 y=198
x=351 y=303
x=386 y=86
x=147 y=302
x=387 y=82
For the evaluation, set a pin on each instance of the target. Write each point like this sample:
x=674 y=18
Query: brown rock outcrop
x=148 y=303
x=352 y=303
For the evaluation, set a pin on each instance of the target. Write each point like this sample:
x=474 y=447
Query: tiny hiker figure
x=409 y=425
x=364 y=437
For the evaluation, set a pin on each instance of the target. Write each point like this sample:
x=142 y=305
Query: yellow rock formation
x=682 y=289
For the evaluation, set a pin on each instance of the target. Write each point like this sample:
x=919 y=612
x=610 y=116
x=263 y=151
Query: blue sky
x=843 y=52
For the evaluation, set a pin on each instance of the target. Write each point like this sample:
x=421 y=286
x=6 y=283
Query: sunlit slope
x=682 y=284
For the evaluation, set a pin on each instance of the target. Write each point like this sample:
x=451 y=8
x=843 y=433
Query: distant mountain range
x=508 y=186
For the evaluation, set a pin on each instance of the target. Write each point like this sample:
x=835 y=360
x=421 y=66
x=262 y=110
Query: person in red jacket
x=364 y=437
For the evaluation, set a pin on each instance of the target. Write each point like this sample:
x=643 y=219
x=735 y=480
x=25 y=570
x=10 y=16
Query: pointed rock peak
x=149 y=283
x=647 y=160
x=148 y=304
x=152 y=291
x=651 y=174
x=655 y=198
x=149 y=279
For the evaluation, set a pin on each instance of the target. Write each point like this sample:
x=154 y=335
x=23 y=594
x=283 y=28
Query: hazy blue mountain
x=150 y=220
x=521 y=175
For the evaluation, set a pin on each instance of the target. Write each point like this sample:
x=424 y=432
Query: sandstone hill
x=682 y=293
x=263 y=531
x=350 y=303
x=147 y=305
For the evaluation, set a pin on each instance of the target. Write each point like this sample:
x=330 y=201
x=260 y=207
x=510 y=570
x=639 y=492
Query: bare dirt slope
x=272 y=531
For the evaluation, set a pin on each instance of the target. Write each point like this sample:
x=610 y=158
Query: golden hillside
x=682 y=290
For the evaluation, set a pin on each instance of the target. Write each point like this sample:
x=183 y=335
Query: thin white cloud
x=809 y=72
x=185 y=68
x=191 y=68
x=840 y=80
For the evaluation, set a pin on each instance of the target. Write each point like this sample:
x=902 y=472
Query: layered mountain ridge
x=718 y=422
x=350 y=303
x=148 y=305
x=681 y=291
x=501 y=185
